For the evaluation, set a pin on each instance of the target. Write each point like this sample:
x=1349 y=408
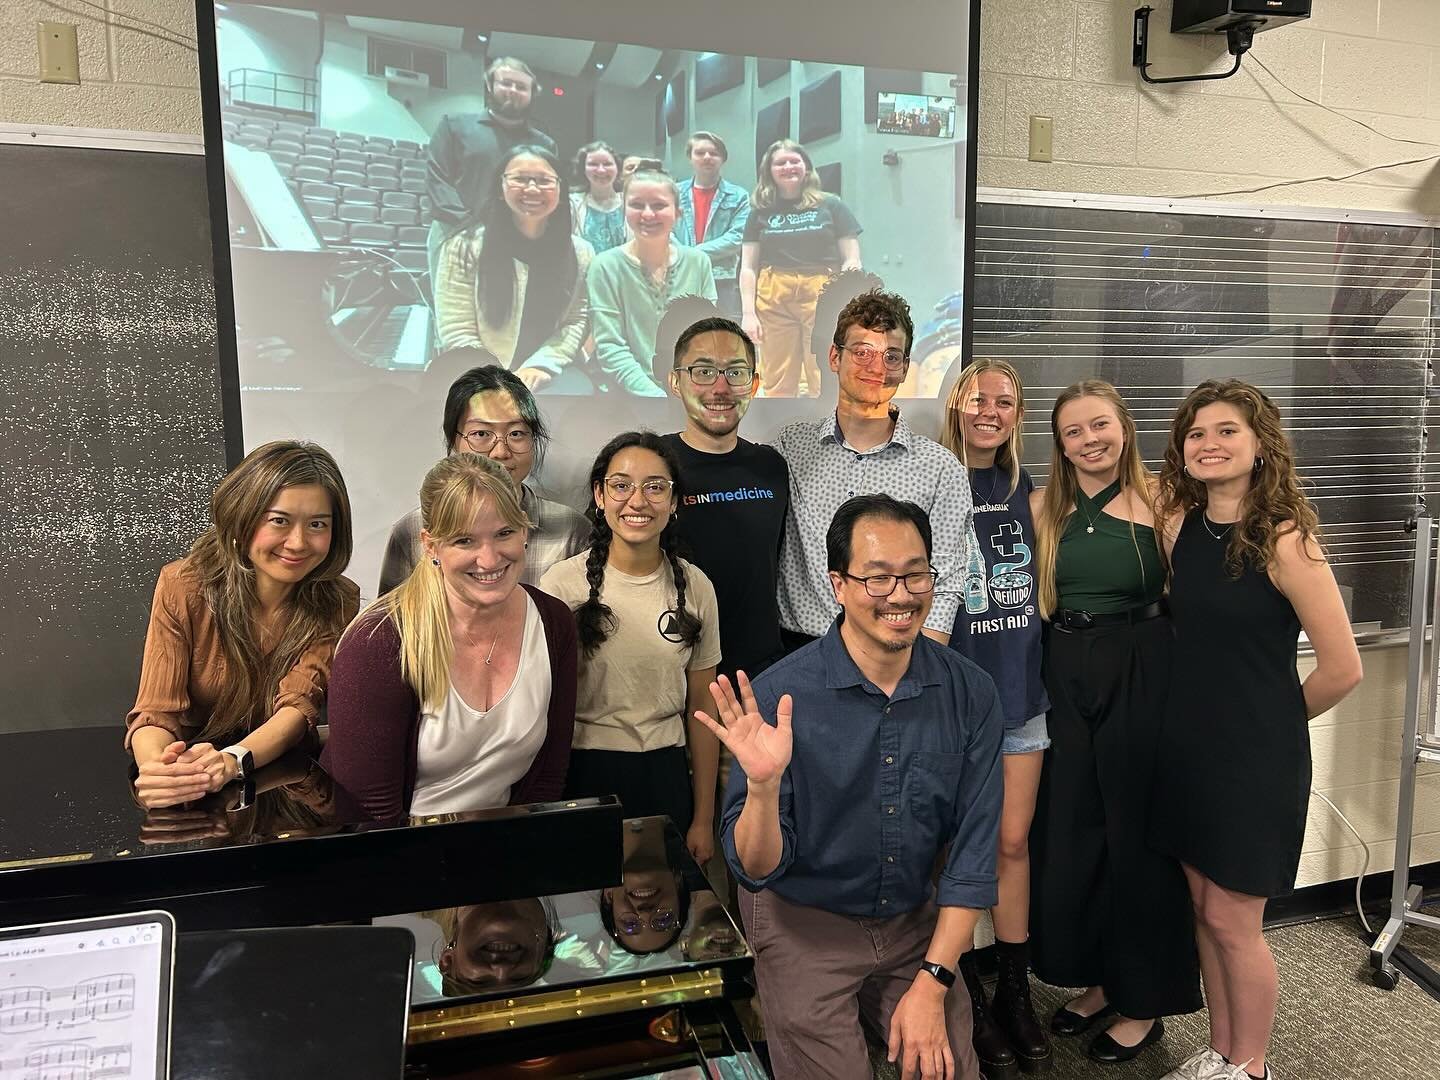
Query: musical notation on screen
x=27 y=1009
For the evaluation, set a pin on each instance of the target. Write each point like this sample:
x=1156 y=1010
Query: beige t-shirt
x=632 y=689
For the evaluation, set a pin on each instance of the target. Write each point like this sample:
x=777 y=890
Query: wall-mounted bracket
x=1239 y=39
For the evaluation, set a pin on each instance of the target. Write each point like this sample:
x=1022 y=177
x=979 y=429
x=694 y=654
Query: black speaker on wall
x=773 y=122
x=830 y=177
x=714 y=74
x=820 y=108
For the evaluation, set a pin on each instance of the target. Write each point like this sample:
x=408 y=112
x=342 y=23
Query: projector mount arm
x=1239 y=39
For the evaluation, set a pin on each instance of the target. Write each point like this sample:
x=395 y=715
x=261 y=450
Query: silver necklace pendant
x=1089 y=528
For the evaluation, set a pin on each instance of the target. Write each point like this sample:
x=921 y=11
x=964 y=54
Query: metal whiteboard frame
x=1161 y=204
x=100 y=139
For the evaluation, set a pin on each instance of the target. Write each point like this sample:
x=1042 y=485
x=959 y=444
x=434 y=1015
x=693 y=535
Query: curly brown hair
x=1274 y=506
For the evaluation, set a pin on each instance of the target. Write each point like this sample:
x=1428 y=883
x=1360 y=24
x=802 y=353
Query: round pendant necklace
x=1205 y=520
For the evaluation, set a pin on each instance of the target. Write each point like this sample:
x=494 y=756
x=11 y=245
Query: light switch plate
x=1042 y=131
x=59 y=53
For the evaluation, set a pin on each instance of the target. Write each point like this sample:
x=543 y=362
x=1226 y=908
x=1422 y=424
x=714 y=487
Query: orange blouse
x=183 y=669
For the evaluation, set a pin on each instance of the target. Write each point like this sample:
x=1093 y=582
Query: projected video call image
x=409 y=196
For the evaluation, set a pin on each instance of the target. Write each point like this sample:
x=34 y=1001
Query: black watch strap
x=943 y=975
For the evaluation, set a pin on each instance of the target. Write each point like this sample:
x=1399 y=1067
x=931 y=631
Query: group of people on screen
x=562 y=270
x=887 y=678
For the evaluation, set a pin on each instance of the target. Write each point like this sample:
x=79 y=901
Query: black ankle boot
x=997 y=1061
x=1014 y=1014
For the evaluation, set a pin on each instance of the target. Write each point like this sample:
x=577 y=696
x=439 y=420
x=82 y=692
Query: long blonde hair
x=952 y=429
x=767 y=195
x=1059 y=501
x=453 y=492
x=219 y=561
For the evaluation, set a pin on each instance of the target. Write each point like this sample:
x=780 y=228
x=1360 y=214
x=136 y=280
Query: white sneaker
x=1240 y=1072
x=1202 y=1065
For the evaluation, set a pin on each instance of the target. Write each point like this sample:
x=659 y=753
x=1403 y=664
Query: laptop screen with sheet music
x=87 y=999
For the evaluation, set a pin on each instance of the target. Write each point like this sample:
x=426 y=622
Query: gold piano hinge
x=80 y=856
x=556 y=1006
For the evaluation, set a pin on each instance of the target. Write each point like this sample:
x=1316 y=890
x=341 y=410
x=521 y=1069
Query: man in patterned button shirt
x=866 y=447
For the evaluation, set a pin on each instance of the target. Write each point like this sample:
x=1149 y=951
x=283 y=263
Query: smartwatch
x=943 y=975
x=243 y=761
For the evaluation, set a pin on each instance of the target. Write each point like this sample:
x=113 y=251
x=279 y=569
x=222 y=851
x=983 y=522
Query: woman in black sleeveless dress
x=1233 y=776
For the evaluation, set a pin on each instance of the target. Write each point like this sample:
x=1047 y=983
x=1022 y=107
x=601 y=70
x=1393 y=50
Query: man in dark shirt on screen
x=861 y=758
x=466 y=149
x=736 y=492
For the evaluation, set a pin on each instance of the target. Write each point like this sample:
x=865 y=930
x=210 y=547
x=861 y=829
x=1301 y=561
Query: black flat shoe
x=1065 y=1022
x=1107 y=1051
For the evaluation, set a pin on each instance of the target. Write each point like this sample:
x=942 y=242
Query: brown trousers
x=785 y=305
x=826 y=979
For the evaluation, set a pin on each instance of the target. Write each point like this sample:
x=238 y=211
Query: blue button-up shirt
x=878 y=785
x=825 y=472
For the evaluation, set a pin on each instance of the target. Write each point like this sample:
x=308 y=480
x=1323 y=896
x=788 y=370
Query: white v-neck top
x=468 y=759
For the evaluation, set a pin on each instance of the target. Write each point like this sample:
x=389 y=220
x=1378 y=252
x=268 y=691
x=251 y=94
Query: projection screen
x=341 y=136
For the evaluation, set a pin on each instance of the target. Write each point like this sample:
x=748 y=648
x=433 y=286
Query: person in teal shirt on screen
x=631 y=285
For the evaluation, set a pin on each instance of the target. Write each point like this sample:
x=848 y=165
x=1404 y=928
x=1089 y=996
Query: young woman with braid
x=1233 y=778
x=649 y=634
x=1107 y=911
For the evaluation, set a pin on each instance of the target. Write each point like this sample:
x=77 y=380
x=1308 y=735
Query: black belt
x=1066 y=619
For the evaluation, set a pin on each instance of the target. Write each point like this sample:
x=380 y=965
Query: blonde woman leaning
x=456 y=691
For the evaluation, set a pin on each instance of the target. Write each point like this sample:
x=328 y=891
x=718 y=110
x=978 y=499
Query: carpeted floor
x=1333 y=1023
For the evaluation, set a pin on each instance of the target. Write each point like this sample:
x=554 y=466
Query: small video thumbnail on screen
x=406 y=196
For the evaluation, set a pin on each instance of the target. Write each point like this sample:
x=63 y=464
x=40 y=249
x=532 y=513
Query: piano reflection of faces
x=712 y=935
x=504 y=944
x=647 y=911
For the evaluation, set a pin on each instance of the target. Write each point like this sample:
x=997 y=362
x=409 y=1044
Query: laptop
x=87 y=997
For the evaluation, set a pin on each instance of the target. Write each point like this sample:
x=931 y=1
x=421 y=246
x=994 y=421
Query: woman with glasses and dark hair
x=650 y=640
x=456 y=691
x=595 y=203
x=796 y=238
x=632 y=285
x=243 y=628
x=483 y=291
x=490 y=411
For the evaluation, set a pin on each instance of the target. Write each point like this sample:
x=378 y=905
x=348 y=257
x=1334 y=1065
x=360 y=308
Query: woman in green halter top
x=1107 y=912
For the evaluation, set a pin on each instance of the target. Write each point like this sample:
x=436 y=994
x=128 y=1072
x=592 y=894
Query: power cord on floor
x=1364 y=867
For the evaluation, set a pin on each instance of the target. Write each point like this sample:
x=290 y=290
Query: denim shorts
x=1027 y=738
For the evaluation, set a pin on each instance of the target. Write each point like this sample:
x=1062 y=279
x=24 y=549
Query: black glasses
x=520 y=181
x=867 y=354
x=739 y=376
x=483 y=440
x=654 y=489
x=917 y=583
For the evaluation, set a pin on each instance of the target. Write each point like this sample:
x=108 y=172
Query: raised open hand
x=762 y=750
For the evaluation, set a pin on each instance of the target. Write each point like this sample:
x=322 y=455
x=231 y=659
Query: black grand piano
x=550 y=940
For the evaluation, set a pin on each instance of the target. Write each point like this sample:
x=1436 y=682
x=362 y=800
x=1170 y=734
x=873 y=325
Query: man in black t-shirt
x=732 y=516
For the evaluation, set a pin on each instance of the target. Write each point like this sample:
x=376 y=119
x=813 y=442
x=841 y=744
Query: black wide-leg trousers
x=1106 y=908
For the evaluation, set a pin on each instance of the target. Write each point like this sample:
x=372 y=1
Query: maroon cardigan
x=374 y=716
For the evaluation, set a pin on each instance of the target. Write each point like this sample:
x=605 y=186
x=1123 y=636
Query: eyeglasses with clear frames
x=483 y=440
x=917 y=583
x=655 y=489
x=738 y=376
x=540 y=182
x=867 y=354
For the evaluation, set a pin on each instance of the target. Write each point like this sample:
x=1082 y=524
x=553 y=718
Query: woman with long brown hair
x=456 y=690
x=999 y=629
x=796 y=238
x=1107 y=912
x=1233 y=779
x=243 y=628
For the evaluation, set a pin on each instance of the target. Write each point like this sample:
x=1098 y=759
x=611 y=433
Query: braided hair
x=594 y=621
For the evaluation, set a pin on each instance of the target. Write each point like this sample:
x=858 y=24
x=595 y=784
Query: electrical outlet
x=59 y=53
x=1042 y=131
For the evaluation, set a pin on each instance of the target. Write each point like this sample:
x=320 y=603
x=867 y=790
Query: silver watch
x=243 y=759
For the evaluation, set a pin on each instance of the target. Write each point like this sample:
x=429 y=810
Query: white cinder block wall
x=1374 y=60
